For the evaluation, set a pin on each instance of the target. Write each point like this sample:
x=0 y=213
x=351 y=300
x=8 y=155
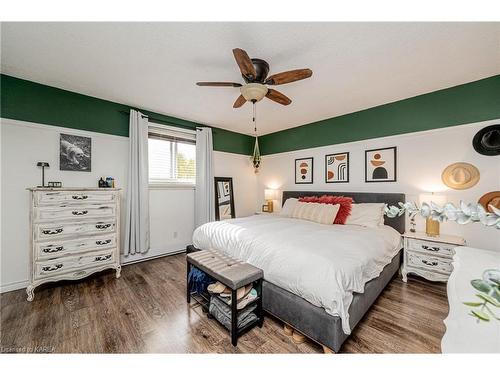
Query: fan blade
x=239 y=102
x=244 y=62
x=219 y=84
x=290 y=76
x=278 y=97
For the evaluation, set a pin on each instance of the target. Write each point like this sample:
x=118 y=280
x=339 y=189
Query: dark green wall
x=468 y=103
x=30 y=101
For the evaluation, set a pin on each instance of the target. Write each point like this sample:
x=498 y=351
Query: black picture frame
x=311 y=159
x=219 y=194
x=394 y=148
x=326 y=168
x=75 y=153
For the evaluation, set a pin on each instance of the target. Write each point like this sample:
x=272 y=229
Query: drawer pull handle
x=79 y=213
x=101 y=258
x=80 y=197
x=105 y=242
x=52 y=249
x=430 y=248
x=102 y=226
x=433 y=263
x=52 y=268
x=54 y=231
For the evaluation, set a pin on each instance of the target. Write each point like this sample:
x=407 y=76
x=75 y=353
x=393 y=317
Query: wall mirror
x=224 y=198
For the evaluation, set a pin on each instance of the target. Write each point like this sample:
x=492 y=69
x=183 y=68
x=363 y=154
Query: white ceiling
x=154 y=66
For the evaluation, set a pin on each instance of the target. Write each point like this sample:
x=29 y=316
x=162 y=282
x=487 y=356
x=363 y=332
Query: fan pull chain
x=254 y=118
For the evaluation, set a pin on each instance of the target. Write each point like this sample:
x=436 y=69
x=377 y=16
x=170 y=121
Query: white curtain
x=137 y=210
x=204 y=203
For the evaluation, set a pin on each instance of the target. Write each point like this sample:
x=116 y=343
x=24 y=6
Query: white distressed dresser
x=429 y=257
x=74 y=233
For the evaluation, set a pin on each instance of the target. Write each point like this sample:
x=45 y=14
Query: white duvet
x=324 y=264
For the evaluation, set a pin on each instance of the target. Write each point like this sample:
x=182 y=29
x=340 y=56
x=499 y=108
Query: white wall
x=421 y=159
x=171 y=210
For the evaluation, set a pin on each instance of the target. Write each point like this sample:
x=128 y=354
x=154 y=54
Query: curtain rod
x=168 y=123
x=154 y=119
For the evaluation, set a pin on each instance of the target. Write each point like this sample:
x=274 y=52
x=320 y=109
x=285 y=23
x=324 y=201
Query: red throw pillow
x=309 y=199
x=345 y=204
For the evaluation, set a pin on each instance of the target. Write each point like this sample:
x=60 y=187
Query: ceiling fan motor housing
x=262 y=70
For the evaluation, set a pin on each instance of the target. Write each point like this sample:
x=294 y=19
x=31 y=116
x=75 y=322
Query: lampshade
x=42 y=164
x=438 y=199
x=270 y=194
x=253 y=91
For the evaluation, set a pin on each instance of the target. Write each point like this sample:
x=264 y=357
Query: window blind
x=172 y=156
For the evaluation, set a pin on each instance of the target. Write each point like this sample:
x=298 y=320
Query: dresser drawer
x=434 y=248
x=48 y=268
x=74 y=212
x=47 y=198
x=61 y=247
x=429 y=262
x=46 y=231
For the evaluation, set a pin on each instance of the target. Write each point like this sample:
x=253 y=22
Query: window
x=172 y=156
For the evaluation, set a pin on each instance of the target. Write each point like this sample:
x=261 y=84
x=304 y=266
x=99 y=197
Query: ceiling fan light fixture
x=253 y=91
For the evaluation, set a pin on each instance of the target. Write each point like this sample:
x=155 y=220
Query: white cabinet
x=429 y=257
x=74 y=233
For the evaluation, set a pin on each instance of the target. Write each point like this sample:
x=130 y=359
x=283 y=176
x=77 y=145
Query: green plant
x=489 y=296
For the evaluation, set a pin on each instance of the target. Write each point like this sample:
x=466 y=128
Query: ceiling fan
x=254 y=72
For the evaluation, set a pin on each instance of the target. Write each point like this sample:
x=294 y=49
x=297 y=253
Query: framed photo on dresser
x=337 y=168
x=304 y=169
x=380 y=165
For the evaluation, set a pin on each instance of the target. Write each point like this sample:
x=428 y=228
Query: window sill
x=171 y=187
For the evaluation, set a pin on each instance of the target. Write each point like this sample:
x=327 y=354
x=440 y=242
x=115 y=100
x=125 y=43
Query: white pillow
x=366 y=214
x=288 y=207
x=318 y=212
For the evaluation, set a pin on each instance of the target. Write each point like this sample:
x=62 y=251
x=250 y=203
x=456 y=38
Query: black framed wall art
x=304 y=169
x=381 y=165
x=75 y=153
x=337 y=167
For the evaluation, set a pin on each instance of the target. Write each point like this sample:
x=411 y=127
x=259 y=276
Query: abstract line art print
x=337 y=167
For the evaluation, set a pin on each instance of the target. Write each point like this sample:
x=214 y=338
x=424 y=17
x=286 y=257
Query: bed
x=319 y=279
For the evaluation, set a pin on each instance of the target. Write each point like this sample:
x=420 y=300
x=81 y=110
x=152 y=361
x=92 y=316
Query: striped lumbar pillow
x=317 y=212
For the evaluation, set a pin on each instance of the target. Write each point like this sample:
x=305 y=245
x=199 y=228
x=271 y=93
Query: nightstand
x=429 y=257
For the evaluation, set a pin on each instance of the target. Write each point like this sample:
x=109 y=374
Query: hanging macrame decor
x=256 y=155
x=256 y=158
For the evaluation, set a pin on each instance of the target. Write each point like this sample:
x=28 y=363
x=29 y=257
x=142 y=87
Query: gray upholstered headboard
x=397 y=223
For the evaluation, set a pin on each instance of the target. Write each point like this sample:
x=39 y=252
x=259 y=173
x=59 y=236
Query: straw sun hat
x=460 y=176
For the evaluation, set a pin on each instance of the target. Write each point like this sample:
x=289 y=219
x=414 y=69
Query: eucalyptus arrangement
x=489 y=296
x=464 y=214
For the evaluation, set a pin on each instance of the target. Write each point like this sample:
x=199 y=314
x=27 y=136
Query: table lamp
x=432 y=226
x=270 y=195
x=44 y=165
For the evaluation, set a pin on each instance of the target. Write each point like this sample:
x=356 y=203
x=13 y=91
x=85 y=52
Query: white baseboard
x=132 y=261
x=13 y=286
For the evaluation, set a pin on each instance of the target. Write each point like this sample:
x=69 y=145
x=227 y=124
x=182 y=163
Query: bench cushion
x=229 y=271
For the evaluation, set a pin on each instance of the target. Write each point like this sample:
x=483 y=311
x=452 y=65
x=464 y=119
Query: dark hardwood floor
x=145 y=311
